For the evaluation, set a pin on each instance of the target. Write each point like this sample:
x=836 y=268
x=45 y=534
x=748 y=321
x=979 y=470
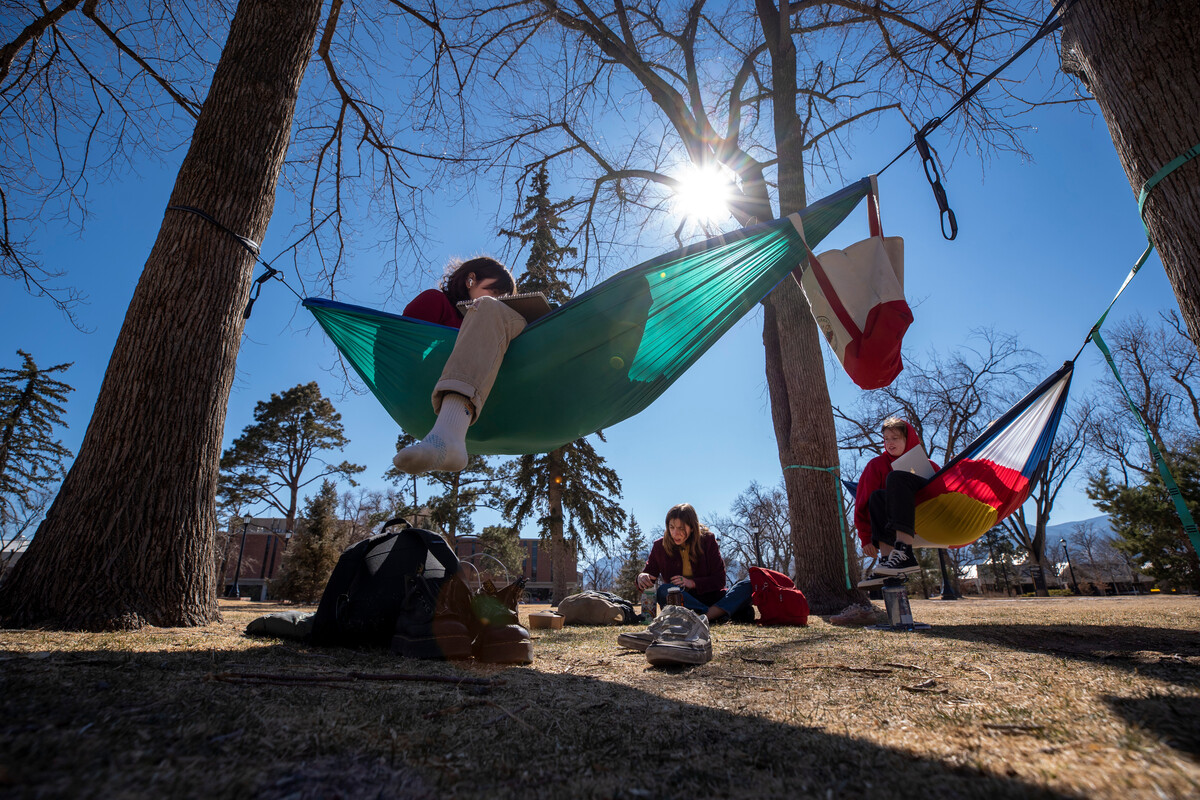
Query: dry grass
x=1064 y=697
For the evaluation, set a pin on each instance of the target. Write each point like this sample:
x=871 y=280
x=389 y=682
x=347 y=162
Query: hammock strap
x=251 y=247
x=1172 y=487
x=1154 y=180
x=837 y=498
x=1185 y=516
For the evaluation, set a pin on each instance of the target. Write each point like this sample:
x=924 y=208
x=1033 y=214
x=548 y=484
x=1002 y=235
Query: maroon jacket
x=873 y=478
x=708 y=571
x=432 y=305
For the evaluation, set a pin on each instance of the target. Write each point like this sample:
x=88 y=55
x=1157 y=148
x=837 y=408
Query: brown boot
x=444 y=634
x=500 y=639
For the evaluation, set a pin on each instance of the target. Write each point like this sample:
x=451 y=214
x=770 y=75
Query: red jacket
x=708 y=571
x=873 y=478
x=432 y=305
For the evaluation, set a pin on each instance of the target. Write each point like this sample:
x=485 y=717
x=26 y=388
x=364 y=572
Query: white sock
x=444 y=449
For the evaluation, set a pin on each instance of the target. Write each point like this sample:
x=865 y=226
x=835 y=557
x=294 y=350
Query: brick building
x=266 y=539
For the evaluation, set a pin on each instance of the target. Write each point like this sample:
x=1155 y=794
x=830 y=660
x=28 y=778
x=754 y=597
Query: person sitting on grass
x=483 y=338
x=688 y=557
x=885 y=505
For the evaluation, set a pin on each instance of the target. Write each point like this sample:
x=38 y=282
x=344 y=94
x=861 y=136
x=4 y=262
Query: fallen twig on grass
x=757 y=660
x=846 y=668
x=311 y=679
x=985 y=672
x=1011 y=728
x=928 y=686
x=905 y=666
x=751 y=677
x=511 y=714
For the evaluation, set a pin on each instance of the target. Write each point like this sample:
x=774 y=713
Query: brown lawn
x=1061 y=697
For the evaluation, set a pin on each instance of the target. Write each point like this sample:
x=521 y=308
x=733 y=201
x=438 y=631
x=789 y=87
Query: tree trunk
x=130 y=540
x=801 y=410
x=1141 y=61
x=558 y=545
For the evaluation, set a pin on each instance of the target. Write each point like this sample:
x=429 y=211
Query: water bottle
x=895 y=600
x=673 y=596
x=649 y=603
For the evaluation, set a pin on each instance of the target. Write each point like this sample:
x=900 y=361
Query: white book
x=916 y=461
x=530 y=305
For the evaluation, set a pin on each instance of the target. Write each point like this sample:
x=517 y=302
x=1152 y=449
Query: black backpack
x=395 y=572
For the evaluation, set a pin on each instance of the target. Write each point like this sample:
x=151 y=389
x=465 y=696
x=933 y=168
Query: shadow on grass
x=114 y=723
x=1172 y=719
x=1166 y=654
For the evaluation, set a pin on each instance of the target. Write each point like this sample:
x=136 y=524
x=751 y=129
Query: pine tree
x=462 y=493
x=1146 y=523
x=540 y=223
x=266 y=464
x=31 y=460
x=634 y=548
x=572 y=479
x=502 y=543
x=314 y=549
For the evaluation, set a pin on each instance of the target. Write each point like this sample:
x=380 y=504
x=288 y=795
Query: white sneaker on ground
x=669 y=621
x=857 y=614
x=693 y=646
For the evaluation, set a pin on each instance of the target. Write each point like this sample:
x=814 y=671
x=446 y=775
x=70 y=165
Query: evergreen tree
x=267 y=463
x=462 y=493
x=572 y=479
x=31 y=460
x=504 y=544
x=313 y=551
x=539 y=224
x=634 y=548
x=1145 y=521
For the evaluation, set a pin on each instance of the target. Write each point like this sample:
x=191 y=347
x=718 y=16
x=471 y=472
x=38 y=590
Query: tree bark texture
x=1141 y=61
x=130 y=540
x=801 y=410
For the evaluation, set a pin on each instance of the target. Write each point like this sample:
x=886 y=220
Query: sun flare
x=703 y=194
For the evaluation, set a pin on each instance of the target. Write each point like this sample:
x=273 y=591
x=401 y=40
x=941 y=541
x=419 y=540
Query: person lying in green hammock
x=483 y=338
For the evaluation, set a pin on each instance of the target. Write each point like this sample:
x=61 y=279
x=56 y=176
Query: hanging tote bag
x=857 y=299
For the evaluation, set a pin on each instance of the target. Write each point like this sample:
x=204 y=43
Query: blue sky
x=1043 y=246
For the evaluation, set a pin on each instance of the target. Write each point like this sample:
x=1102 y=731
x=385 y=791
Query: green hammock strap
x=1166 y=170
x=1185 y=516
x=837 y=497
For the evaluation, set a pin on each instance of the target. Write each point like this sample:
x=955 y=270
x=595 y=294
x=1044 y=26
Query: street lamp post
x=236 y=590
x=1074 y=583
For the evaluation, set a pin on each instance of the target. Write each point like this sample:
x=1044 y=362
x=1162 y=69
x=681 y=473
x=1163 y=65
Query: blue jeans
x=729 y=601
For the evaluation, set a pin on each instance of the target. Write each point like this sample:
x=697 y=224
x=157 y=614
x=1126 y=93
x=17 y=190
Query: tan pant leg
x=478 y=352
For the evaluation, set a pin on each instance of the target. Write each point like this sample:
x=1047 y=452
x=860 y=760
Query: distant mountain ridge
x=1064 y=530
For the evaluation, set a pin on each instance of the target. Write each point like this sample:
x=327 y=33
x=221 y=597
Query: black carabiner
x=929 y=163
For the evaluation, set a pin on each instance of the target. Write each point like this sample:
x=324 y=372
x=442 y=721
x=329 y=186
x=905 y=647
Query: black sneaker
x=900 y=562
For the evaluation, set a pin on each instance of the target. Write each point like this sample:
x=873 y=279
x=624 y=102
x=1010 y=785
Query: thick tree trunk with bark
x=130 y=540
x=801 y=410
x=558 y=544
x=1140 y=59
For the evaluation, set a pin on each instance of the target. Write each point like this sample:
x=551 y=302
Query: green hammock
x=598 y=359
